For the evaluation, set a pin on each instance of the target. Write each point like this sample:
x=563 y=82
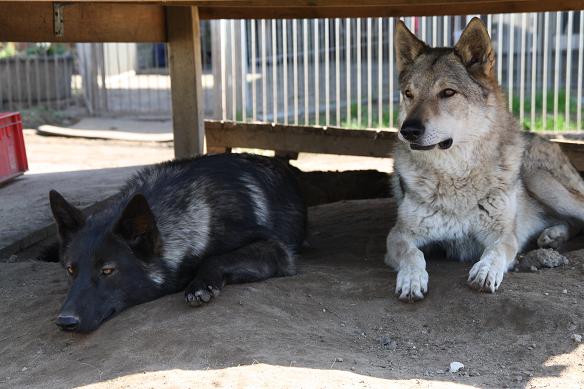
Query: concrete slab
x=127 y=129
x=25 y=217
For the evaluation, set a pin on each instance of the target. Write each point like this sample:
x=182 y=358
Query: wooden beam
x=82 y=22
x=184 y=40
x=330 y=140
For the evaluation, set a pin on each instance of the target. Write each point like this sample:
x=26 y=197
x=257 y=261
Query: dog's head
x=110 y=266
x=445 y=90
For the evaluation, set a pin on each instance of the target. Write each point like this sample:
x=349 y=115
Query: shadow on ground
x=335 y=324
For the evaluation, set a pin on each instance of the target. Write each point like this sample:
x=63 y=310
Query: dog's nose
x=412 y=130
x=68 y=322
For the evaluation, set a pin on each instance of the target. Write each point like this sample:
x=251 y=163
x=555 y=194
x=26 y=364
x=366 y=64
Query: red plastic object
x=13 y=160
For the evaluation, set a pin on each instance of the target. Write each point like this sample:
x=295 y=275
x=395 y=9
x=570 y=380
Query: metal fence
x=310 y=71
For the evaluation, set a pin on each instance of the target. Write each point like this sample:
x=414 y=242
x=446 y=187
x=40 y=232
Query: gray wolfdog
x=467 y=180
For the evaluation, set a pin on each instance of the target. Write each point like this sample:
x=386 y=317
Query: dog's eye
x=446 y=93
x=107 y=270
x=408 y=94
x=70 y=270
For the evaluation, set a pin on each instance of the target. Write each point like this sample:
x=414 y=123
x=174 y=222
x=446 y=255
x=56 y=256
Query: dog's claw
x=197 y=294
x=486 y=276
x=412 y=284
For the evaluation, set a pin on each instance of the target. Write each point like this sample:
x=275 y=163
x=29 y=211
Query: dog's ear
x=137 y=226
x=68 y=218
x=407 y=46
x=475 y=49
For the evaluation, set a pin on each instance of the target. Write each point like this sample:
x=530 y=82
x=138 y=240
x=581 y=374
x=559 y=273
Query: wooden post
x=184 y=40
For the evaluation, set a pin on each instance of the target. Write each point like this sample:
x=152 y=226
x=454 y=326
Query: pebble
x=353 y=368
x=24 y=368
x=546 y=293
x=455 y=367
x=577 y=338
x=338 y=359
x=565 y=291
x=533 y=269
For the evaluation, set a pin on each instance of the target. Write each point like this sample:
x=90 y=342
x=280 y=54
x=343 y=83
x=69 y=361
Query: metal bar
x=295 y=66
x=243 y=61
x=391 y=75
x=490 y=25
x=369 y=82
x=533 y=69
x=348 y=67
x=326 y=73
x=522 y=69
x=285 y=67
x=510 y=68
x=568 y=70
x=305 y=55
x=254 y=110
x=424 y=28
x=264 y=74
x=546 y=26
x=446 y=37
x=557 y=69
x=223 y=34
x=580 y=65
x=358 y=72
x=233 y=71
x=435 y=31
x=338 y=72
x=274 y=72
x=380 y=72
x=316 y=76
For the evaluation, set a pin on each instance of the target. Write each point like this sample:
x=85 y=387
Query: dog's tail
x=50 y=253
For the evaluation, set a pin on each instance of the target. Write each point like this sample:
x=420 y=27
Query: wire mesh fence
x=338 y=72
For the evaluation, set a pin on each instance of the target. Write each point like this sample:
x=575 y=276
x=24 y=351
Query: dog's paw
x=553 y=237
x=486 y=275
x=412 y=283
x=201 y=292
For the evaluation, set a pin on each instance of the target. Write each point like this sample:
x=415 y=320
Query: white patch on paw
x=486 y=275
x=412 y=283
x=553 y=237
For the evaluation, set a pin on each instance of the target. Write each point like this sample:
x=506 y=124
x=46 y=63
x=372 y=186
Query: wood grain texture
x=331 y=140
x=185 y=76
x=86 y=22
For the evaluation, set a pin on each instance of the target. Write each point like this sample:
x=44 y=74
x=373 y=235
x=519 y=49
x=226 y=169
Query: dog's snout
x=68 y=322
x=412 y=130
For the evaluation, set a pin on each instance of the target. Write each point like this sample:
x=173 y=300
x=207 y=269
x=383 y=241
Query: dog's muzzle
x=444 y=145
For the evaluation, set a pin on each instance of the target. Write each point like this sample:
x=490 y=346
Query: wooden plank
x=86 y=22
x=331 y=140
x=184 y=38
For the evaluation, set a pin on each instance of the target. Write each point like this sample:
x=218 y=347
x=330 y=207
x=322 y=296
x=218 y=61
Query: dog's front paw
x=201 y=292
x=412 y=283
x=486 y=275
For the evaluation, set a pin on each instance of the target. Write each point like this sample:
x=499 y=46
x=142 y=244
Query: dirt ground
x=336 y=324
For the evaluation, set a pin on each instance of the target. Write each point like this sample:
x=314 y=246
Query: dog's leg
x=255 y=262
x=408 y=260
x=554 y=237
x=487 y=274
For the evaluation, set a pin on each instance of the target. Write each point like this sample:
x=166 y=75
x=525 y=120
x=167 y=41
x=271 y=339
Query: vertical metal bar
x=369 y=82
x=338 y=71
x=274 y=72
x=37 y=79
x=557 y=54
x=391 y=76
x=522 y=70
x=233 y=71
x=131 y=80
x=295 y=66
x=359 y=72
x=316 y=76
x=534 y=41
x=568 y=70
x=243 y=61
x=254 y=110
x=490 y=25
x=264 y=74
x=446 y=37
x=546 y=27
x=348 y=66
x=223 y=34
x=511 y=59
x=285 y=67
x=305 y=55
x=424 y=28
x=27 y=71
x=580 y=65
x=380 y=72
x=326 y=73
x=500 y=49
x=435 y=31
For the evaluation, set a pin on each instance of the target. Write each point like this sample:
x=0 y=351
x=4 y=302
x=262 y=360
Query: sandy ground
x=335 y=324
